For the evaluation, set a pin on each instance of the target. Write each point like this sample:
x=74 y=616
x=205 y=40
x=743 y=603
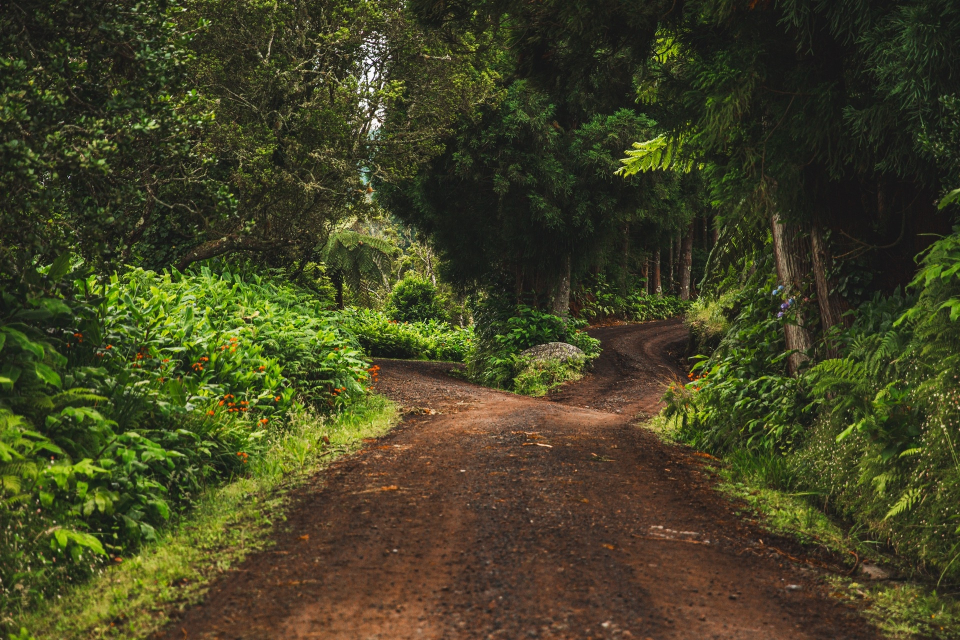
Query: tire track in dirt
x=503 y=517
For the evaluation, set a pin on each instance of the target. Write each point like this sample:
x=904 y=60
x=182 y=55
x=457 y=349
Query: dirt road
x=488 y=515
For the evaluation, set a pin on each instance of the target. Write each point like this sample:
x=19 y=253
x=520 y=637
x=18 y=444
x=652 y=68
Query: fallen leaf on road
x=389 y=487
x=305 y=537
x=609 y=546
x=541 y=444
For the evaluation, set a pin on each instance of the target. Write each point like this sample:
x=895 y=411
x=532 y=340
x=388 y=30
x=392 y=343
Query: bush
x=742 y=396
x=382 y=337
x=414 y=299
x=873 y=432
x=495 y=360
x=708 y=320
x=536 y=378
x=120 y=401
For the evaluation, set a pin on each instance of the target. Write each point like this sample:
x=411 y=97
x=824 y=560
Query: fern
x=907 y=501
x=660 y=153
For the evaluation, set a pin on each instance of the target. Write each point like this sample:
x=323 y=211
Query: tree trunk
x=671 y=286
x=792 y=252
x=337 y=280
x=657 y=286
x=645 y=274
x=625 y=260
x=832 y=306
x=706 y=233
x=686 y=262
x=561 y=297
x=678 y=257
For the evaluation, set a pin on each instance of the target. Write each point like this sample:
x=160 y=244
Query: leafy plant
x=382 y=337
x=120 y=400
x=414 y=299
x=496 y=358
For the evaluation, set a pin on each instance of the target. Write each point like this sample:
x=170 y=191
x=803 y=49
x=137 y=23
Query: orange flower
x=262 y=368
x=211 y=412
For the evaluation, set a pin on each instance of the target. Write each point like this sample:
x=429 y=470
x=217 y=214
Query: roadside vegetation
x=213 y=214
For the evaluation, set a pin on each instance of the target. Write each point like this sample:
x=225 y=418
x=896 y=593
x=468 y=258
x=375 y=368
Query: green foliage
x=357 y=260
x=708 y=320
x=742 y=396
x=521 y=190
x=495 y=360
x=120 y=404
x=873 y=432
x=598 y=299
x=139 y=596
x=98 y=128
x=382 y=337
x=414 y=299
x=537 y=378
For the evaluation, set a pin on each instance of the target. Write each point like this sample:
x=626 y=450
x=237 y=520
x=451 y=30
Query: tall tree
x=97 y=128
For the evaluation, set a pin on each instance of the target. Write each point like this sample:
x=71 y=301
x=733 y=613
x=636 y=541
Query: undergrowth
x=136 y=597
x=909 y=607
x=430 y=339
x=597 y=299
x=123 y=400
x=505 y=331
x=867 y=428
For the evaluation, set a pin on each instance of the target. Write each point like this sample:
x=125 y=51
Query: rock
x=560 y=351
x=874 y=572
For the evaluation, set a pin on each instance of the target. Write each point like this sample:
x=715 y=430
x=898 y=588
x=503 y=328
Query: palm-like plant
x=356 y=259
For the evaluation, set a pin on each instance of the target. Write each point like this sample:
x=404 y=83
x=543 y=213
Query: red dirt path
x=504 y=517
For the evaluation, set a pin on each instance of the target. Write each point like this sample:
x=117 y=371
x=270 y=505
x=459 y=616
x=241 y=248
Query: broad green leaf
x=47 y=374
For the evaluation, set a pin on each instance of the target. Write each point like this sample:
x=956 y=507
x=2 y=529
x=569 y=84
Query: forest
x=215 y=216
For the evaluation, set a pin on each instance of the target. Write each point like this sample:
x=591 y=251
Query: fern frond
x=906 y=502
x=661 y=153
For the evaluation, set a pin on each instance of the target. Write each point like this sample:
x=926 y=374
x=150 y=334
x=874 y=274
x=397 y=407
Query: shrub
x=742 y=396
x=495 y=360
x=873 y=432
x=120 y=402
x=414 y=299
x=382 y=337
x=536 y=378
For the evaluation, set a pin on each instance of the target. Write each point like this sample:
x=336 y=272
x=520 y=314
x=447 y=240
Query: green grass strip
x=137 y=597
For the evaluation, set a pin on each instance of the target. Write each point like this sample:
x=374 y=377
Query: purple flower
x=780 y=315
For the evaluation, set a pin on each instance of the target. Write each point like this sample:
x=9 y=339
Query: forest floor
x=491 y=515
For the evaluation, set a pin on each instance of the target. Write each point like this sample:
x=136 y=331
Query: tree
x=357 y=260
x=517 y=194
x=815 y=118
x=97 y=128
x=301 y=91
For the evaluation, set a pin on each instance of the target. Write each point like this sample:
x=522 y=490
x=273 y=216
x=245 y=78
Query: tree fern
x=356 y=259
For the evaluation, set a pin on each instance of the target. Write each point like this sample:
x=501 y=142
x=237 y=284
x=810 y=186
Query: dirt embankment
x=488 y=515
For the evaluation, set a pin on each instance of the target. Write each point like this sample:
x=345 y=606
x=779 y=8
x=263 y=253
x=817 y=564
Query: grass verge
x=907 y=606
x=133 y=599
